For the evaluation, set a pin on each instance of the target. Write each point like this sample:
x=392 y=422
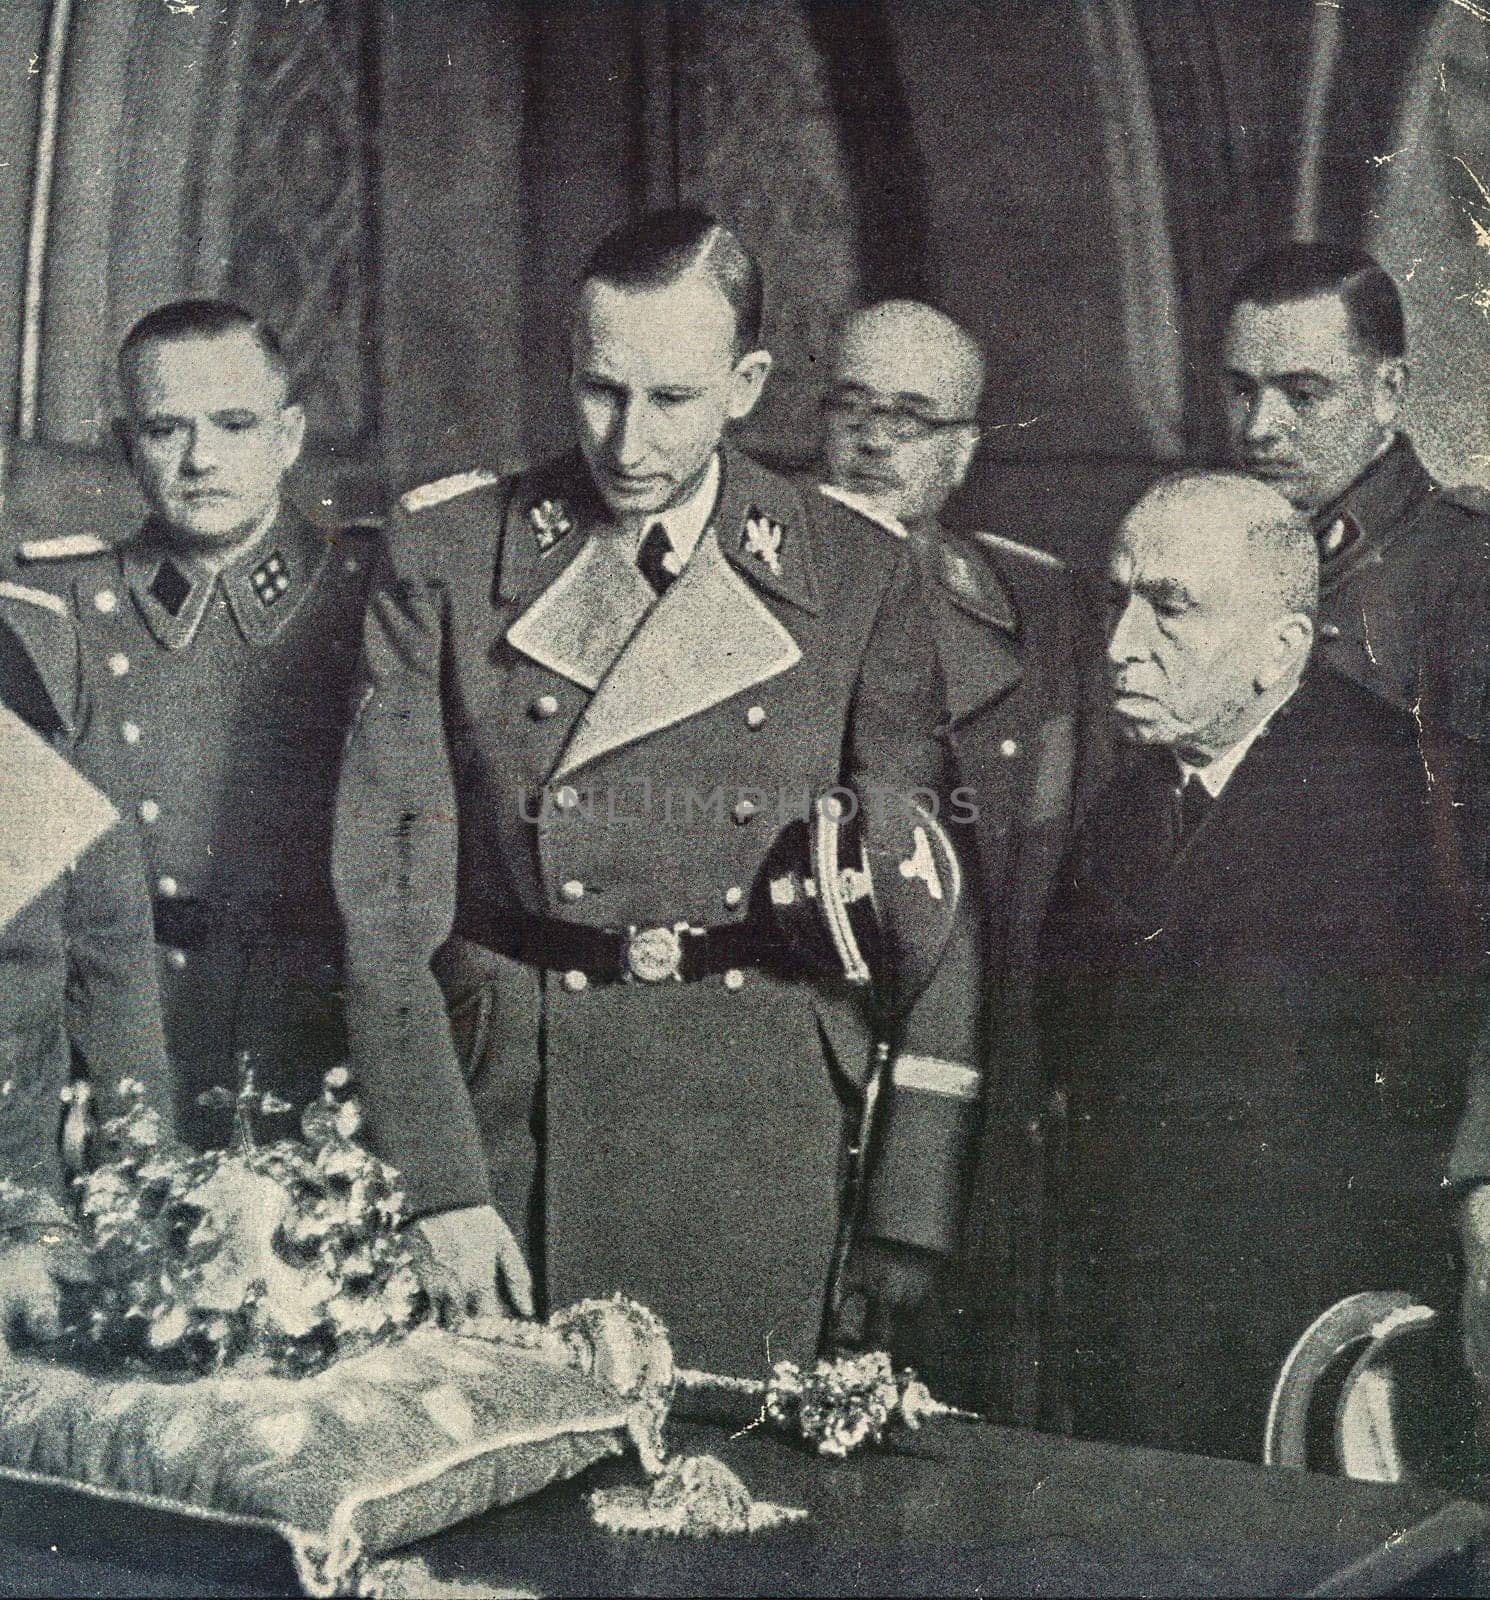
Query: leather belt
x=654 y=954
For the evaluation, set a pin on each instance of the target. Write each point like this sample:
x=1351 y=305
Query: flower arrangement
x=282 y=1256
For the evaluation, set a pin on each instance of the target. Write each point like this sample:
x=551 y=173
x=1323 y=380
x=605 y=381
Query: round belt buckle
x=654 y=954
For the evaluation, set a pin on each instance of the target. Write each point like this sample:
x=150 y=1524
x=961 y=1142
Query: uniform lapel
x=580 y=624
x=710 y=637
x=266 y=587
x=983 y=674
x=170 y=592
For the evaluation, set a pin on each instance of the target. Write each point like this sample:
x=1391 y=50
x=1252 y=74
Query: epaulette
x=34 y=597
x=65 y=547
x=1025 y=552
x=846 y=497
x=443 y=489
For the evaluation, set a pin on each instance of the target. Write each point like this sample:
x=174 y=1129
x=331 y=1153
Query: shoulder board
x=443 y=489
x=846 y=497
x=66 y=547
x=1024 y=552
x=34 y=597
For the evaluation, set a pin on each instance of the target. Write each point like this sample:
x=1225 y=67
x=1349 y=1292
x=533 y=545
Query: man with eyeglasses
x=1020 y=664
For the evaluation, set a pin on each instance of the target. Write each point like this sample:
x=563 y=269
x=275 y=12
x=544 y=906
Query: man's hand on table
x=471 y=1249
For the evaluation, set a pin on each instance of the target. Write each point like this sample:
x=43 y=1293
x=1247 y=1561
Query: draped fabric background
x=406 y=188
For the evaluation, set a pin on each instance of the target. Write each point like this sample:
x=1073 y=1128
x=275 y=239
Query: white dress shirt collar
x=686 y=522
x=1216 y=774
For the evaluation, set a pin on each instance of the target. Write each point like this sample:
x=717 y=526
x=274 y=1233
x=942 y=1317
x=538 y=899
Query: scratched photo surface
x=822 y=663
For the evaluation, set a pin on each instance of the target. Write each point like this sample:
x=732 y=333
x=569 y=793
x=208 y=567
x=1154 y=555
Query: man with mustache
x=593 y=691
x=1020 y=662
x=1260 y=1016
x=221 y=636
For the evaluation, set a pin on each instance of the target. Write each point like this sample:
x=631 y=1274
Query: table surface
x=967 y=1509
x=958 y=1509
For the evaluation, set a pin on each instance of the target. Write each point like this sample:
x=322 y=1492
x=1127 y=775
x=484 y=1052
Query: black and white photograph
x=744 y=797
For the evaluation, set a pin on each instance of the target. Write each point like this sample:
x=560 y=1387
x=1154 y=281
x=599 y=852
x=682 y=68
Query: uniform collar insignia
x=267 y=586
x=1376 y=509
x=551 y=522
x=170 y=586
x=263 y=588
x=761 y=538
x=765 y=531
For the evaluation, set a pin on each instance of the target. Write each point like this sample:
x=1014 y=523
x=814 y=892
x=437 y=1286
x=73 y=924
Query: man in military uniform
x=594 y=693
x=1023 y=716
x=222 y=637
x=1316 y=367
x=78 y=997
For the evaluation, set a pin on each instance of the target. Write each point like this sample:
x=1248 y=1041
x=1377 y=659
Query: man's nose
x=873 y=435
x=1123 y=641
x=1267 y=417
x=201 y=452
x=630 y=439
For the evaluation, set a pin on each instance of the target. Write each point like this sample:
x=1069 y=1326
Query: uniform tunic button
x=573 y=890
x=567 y=798
x=733 y=895
x=168 y=887
x=129 y=732
x=734 y=979
x=119 y=664
x=176 y=960
x=1329 y=630
x=755 y=717
x=352 y=563
x=744 y=810
x=1010 y=747
x=105 y=601
x=546 y=705
x=575 y=982
x=149 y=811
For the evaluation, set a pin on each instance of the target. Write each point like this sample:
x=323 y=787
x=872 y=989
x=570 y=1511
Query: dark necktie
x=658 y=560
x=1195 y=802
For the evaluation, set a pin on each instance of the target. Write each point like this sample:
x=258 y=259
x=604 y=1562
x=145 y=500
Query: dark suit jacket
x=1265 y=1051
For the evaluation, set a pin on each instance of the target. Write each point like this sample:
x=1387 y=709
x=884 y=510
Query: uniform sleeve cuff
x=933 y=1075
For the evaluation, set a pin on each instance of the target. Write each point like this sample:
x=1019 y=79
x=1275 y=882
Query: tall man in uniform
x=1316 y=366
x=1261 y=1022
x=1023 y=722
x=594 y=692
x=222 y=636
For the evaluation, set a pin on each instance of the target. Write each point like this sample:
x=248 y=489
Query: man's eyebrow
x=1303 y=375
x=1168 y=590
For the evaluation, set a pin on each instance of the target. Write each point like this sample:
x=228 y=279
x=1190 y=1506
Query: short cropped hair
x=203 y=319
x=1278 y=535
x=660 y=247
x=1294 y=271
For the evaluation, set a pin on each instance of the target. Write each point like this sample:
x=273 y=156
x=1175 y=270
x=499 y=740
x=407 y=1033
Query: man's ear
x=746 y=383
x=1293 y=638
x=291 y=435
x=1393 y=379
x=968 y=439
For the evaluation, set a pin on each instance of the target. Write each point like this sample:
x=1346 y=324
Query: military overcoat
x=538 y=738
x=1026 y=733
x=220 y=705
x=78 y=997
